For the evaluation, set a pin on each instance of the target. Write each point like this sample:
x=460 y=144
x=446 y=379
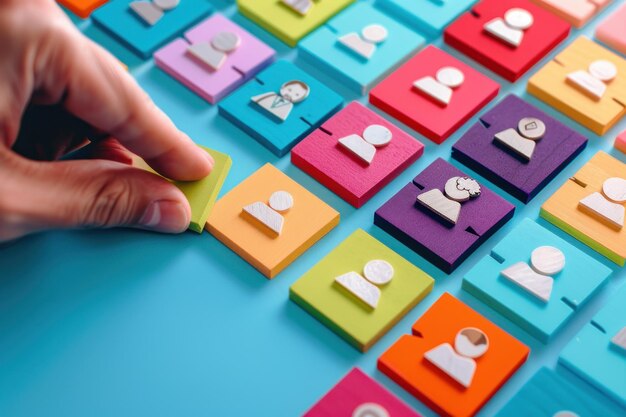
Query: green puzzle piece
x=349 y=317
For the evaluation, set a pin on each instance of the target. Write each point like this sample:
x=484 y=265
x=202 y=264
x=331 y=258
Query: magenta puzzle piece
x=223 y=57
x=523 y=178
x=441 y=243
x=322 y=156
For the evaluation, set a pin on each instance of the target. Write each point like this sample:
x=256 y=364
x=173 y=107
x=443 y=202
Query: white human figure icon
x=619 y=340
x=370 y=410
x=151 y=11
x=280 y=105
x=270 y=215
x=365 y=287
x=213 y=53
x=593 y=82
x=607 y=206
x=366 y=43
x=364 y=147
x=448 y=207
x=510 y=30
x=302 y=7
x=545 y=261
x=459 y=362
x=440 y=89
x=522 y=140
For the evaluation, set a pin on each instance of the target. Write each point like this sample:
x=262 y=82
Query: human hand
x=58 y=88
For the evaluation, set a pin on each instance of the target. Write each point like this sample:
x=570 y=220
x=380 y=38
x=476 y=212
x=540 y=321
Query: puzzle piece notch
x=579 y=281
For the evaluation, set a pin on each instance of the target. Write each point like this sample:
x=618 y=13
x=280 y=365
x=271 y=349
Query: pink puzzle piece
x=338 y=168
x=239 y=65
x=612 y=31
x=620 y=142
x=576 y=12
x=357 y=391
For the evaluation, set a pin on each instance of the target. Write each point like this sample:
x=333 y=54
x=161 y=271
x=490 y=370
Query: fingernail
x=165 y=216
x=210 y=159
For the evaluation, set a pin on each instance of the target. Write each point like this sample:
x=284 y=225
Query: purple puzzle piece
x=446 y=247
x=523 y=180
x=243 y=63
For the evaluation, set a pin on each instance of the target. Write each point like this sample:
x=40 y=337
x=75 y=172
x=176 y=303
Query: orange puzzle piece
x=406 y=364
x=305 y=220
x=562 y=208
x=82 y=8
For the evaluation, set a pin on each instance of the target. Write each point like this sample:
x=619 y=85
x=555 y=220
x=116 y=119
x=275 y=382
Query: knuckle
x=111 y=204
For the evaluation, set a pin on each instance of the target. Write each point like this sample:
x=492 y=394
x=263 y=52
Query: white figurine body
x=302 y=7
x=510 y=30
x=593 y=82
x=280 y=105
x=448 y=207
x=619 y=340
x=213 y=54
x=459 y=362
x=365 y=287
x=522 y=140
x=152 y=11
x=364 y=147
x=607 y=206
x=364 y=44
x=440 y=89
x=270 y=215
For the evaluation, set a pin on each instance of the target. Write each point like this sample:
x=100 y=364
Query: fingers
x=86 y=194
x=97 y=89
x=109 y=149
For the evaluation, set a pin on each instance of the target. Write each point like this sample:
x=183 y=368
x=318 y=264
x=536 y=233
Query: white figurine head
x=374 y=33
x=471 y=342
x=615 y=189
x=295 y=91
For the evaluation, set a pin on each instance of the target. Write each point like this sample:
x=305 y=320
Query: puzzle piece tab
x=470 y=35
x=117 y=18
x=549 y=393
x=442 y=327
x=571 y=84
x=612 y=31
x=579 y=280
x=576 y=12
x=257 y=107
x=323 y=157
x=445 y=245
x=449 y=93
x=304 y=222
x=360 y=325
x=357 y=391
x=564 y=210
x=523 y=178
x=82 y=8
x=289 y=24
x=234 y=67
x=337 y=48
x=426 y=16
x=594 y=354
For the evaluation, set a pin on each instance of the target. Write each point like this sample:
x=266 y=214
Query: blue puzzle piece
x=117 y=18
x=548 y=393
x=429 y=17
x=276 y=135
x=592 y=355
x=323 y=49
x=573 y=286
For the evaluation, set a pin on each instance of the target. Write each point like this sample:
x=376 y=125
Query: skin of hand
x=58 y=88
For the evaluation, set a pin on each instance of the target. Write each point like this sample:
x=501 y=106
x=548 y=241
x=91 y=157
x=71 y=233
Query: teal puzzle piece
x=277 y=135
x=593 y=356
x=119 y=20
x=572 y=287
x=429 y=17
x=323 y=49
x=548 y=393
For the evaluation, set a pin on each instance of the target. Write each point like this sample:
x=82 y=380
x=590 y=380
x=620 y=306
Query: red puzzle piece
x=397 y=96
x=468 y=35
x=321 y=156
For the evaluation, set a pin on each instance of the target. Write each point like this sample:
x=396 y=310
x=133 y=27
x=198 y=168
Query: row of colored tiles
x=455 y=360
x=586 y=81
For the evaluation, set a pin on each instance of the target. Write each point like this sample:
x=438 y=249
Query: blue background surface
x=128 y=323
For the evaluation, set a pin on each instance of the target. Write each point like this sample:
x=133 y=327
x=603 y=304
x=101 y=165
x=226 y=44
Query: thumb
x=37 y=196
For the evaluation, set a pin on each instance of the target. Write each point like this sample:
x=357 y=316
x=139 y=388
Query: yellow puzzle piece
x=593 y=102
